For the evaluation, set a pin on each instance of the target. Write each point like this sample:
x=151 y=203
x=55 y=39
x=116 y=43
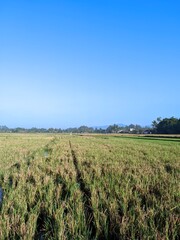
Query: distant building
x=122 y=131
x=147 y=132
x=132 y=129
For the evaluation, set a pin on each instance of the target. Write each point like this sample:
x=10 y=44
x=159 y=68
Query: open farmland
x=89 y=187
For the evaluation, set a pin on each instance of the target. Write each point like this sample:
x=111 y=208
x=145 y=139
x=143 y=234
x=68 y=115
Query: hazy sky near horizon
x=68 y=63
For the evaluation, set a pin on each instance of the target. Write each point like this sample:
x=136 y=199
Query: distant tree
x=113 y=129
x=85 y=129
x=167 y=126
x=155 y=124
x=18 y=130
x=99 y=130
x=4 y=129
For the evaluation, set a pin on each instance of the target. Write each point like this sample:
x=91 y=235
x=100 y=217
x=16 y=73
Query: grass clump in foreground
x=88 y=187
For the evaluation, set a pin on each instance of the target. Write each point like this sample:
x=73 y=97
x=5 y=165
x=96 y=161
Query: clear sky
x=66 y=63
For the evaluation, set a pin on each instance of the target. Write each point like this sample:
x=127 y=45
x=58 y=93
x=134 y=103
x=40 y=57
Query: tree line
x=82 y=129
x=166 y=125
x=159 y=126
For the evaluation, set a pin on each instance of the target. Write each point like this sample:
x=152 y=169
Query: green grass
x=89 y=187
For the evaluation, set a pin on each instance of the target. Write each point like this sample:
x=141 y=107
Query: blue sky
x=95 y=62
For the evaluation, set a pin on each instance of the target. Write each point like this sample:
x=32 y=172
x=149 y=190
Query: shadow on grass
x=148 y=138
x=86 y=195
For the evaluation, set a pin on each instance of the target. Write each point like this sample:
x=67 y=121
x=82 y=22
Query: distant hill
x=106 y=126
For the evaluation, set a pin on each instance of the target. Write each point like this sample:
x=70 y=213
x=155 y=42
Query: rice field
x=89 y=187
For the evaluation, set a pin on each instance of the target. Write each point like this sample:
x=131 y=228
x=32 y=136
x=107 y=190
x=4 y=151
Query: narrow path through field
x=86 y=194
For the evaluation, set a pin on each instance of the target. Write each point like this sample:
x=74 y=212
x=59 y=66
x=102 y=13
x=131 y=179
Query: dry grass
x=81 y=187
